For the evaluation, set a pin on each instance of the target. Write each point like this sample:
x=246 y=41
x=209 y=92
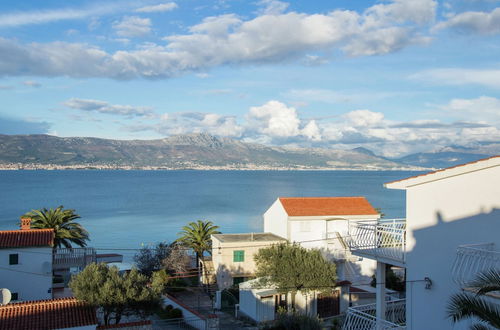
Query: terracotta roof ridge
x=444 y=169
x=44 y=302
x=322 y=197
x=26 y=230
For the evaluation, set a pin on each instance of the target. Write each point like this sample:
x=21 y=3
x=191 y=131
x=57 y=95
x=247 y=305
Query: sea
x=126 y=210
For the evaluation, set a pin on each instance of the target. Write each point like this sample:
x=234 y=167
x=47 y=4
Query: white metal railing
x=473 y=259
x=73 y=257
x=363 y=317
x=379 y=238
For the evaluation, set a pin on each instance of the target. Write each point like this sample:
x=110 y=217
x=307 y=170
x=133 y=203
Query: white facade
x=326 y=233
x=259 y=304
x=445 y=210
x=31 y=277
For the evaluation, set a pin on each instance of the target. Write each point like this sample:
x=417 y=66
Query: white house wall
x=442 y=215
x=275 y=220
x=31 y=279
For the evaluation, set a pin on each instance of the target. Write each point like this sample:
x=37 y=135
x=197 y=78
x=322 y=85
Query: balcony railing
x=74 y=257
x=379 y=239
x=363 y=317
x=473 y=259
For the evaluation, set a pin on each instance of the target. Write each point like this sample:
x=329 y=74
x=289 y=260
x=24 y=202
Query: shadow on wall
x=433 y=256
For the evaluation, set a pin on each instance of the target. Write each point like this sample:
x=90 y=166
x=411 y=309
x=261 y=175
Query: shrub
x=294 y=321
x=175 y=313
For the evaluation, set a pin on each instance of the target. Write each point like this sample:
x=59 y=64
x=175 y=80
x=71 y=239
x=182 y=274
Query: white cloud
x=162 y=7
x=228 y=39
x=458 y=76
x=364 y=118
x=54 y=15
x=484 y=108
x=275 y=119
x=32 y=83
x=277 y=123
x=133 y=26
x=107 y=108
x=272 y=7
x=474 y=21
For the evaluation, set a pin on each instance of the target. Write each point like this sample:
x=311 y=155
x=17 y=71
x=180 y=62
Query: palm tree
x=66 y=231
x=196 y=235
x=466 y=305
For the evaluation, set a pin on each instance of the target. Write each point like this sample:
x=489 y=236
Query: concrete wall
x=276 y=220
x=191 y=317
x=441 y=215
x=32 y=277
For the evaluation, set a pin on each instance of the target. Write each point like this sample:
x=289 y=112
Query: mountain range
x=201 y=151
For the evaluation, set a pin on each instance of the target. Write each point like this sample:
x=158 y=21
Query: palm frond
x=486 y=281
x=465 y=305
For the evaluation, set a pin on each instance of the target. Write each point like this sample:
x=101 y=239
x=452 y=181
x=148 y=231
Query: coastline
x=195 y=167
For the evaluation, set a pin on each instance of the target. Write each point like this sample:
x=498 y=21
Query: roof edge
x=444 y=173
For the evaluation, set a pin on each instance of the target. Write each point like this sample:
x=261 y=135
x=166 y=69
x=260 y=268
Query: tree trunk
x=293 y=294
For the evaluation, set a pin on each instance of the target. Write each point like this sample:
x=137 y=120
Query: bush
x=294 y=321
x=175 y=313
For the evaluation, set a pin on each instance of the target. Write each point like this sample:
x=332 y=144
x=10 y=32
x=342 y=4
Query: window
x=13 y=259
x=14 y=296
x=238 y=256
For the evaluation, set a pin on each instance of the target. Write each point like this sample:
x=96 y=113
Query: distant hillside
x=440 y=159
x=179 y=152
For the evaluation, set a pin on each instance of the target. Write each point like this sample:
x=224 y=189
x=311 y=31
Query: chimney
x=25 y=223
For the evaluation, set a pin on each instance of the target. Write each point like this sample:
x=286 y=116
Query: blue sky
x=396 y=77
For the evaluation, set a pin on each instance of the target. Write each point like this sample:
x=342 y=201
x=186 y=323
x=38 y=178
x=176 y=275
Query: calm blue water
x=122 y=209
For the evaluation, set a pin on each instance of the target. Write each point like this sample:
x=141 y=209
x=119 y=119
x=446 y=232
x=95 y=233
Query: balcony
x=382 y=240
x=363 y=317
x=472 y=259
x=74 y=257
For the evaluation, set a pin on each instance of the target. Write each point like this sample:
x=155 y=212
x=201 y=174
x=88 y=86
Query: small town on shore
x=325 y=262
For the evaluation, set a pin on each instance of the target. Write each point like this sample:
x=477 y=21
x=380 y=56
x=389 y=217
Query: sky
x=396 y=77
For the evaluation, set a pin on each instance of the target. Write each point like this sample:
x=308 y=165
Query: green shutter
x=13 y=259
x=238 y=256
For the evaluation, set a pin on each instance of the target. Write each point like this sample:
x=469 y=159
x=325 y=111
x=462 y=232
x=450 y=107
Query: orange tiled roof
x=325 y=206
x=444 y=169
x=25 y=238
x=47 y=314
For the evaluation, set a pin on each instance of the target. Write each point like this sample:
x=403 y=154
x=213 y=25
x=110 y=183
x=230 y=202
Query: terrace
x=473 y=259
x=73 y=257
x=363 y=317
x=382 y=240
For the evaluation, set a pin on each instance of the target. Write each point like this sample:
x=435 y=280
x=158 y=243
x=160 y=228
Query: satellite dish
x=5 y=296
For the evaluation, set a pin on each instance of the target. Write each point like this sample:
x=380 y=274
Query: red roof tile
x=443 y=169
x=25 y=238
x=325 y=206
x=47 y=314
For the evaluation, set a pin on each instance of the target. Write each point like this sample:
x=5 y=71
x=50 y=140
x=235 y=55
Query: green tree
x=467 y=305
x=151 y=259
x=117 y=295
x=67 y=232
x=292 y=268
x=196 y=235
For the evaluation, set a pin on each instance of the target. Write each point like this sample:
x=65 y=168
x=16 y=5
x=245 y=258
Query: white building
x=232 y=256
x=32 y=269
x=323 y=223
x=26 y=262
x=450 y=234
x=262 y=304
